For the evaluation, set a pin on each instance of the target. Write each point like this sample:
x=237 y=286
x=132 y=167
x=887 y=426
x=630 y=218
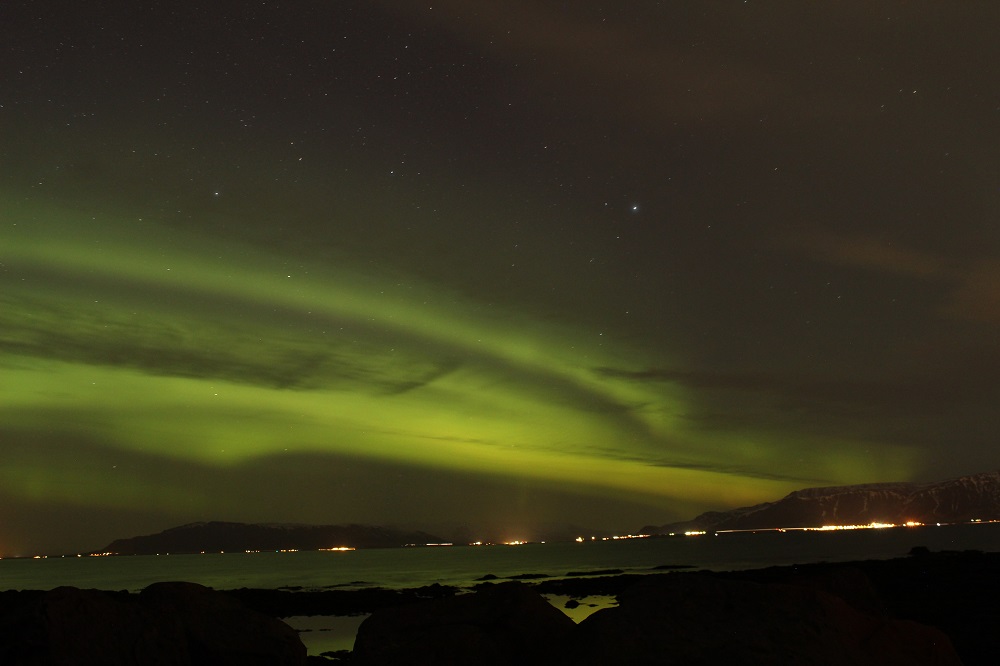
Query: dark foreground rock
x=908 y=610
x=705 y=620
x=499 y=624
x=168 y=624
x=285 y=603
x=678 y=619
x=954 y=591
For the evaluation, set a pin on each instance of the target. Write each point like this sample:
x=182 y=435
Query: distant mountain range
x=956 y=500
x=237 y=537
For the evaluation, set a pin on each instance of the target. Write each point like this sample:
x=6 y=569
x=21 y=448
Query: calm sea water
x=461 y=565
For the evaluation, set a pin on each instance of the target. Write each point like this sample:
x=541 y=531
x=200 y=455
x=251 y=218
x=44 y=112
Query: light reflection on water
x=462 y=565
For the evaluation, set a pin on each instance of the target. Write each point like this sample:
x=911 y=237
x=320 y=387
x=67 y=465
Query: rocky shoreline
x=928 y=608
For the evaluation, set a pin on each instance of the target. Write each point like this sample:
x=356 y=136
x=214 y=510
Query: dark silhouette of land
x=928 y=608
x=959 y=500
x=217 y=536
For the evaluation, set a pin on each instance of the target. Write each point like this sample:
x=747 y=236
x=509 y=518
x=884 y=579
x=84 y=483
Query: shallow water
x=326 y=633
x=462 y=565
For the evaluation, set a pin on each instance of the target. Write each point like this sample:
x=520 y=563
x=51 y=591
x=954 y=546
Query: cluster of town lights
x=824 y=528
x=580 y=539
x=869 y=526
x=618 y=537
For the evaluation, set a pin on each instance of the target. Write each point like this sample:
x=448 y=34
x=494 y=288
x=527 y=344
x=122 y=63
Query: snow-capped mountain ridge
x=965 y=498
x=825 y=491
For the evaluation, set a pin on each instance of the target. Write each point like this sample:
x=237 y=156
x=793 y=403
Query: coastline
x=951 y=592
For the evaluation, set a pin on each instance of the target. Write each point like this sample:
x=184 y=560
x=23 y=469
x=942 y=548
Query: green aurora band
x=214 y=355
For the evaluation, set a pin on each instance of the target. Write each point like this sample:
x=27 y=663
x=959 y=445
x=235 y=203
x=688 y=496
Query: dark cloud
x=703 y=253
x=184 y=346
x=917 y=394
x=926 y=410
x=743 y=472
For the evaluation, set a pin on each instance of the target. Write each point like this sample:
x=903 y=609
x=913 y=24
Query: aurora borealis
x=489 y=266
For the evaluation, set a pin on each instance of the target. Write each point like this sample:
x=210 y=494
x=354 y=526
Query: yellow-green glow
x=173 y=347
x=388 y=267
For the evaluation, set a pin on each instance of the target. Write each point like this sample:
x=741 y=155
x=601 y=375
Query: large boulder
x=498 y=624
x=220 y=631
x=68 y=626
x=695 y=619
x=168 y=624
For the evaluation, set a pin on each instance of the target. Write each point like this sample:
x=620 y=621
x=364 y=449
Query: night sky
x=490 y=266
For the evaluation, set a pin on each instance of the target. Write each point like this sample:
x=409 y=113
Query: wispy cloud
x=971 y=287
x=871 y=252
x=914 y=394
